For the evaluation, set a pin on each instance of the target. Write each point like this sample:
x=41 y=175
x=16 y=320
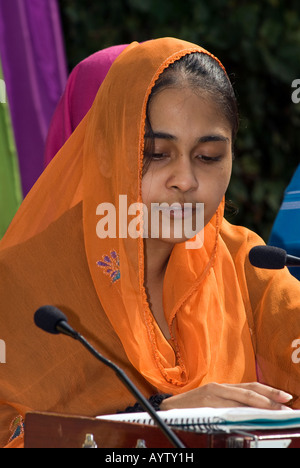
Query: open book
x=218 y=419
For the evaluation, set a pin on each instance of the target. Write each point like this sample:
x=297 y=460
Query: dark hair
x=201 y=72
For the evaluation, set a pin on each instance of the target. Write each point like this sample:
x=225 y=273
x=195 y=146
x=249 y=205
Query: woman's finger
x=254 y=395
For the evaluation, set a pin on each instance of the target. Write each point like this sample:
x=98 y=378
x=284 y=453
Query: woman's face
x=191 y=159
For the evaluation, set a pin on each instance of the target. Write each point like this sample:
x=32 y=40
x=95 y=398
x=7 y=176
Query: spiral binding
x=203 y=425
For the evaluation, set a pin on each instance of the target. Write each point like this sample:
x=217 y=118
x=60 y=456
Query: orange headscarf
x=102 y=160
x=206 y=299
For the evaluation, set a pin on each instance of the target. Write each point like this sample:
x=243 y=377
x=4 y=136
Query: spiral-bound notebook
x=217 y=419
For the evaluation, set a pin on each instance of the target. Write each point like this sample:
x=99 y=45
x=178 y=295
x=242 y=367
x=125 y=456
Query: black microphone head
x=265 y=256
x=48 y=317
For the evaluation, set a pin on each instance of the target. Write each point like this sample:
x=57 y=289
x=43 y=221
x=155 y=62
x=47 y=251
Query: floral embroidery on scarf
x=111 y=265
x=16 y=428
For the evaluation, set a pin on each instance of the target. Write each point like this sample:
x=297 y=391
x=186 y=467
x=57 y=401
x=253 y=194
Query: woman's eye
x=156 y=156
x=208 y=159
x=159 y=155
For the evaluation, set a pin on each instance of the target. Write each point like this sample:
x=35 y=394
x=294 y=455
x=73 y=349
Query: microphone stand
x=64 y=328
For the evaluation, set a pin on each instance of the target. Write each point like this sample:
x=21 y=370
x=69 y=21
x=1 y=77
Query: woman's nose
x=182 y=175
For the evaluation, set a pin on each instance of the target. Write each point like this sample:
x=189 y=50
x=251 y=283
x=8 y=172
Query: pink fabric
x=79 y=94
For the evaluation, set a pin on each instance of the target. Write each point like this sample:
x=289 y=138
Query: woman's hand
x=216 y=395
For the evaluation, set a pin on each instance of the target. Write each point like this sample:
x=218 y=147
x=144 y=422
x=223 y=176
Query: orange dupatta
x=102 y=160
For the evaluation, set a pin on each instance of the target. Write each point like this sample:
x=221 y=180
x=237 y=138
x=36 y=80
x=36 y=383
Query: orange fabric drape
x=213 y=299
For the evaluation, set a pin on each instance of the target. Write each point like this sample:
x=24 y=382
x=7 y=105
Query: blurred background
x=257 y=41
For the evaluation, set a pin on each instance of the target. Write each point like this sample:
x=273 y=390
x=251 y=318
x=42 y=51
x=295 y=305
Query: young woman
x=200 y=325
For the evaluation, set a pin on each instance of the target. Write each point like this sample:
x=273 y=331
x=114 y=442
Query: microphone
x=52 y=320
x=273 y=258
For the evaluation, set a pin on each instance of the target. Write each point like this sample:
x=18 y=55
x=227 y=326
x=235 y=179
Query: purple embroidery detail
x=16 y=428
x=111 y=265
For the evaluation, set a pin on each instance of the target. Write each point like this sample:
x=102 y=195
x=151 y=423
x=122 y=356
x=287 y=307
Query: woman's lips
x=176 y=211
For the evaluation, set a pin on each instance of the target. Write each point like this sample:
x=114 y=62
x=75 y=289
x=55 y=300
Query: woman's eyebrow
x=202 y=139
x=208 y=138
x=160 y=135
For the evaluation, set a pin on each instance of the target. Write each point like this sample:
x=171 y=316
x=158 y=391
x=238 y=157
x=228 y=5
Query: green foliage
x=259 y=44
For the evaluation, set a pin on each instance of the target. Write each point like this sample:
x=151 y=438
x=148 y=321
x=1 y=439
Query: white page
x=225 y=418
